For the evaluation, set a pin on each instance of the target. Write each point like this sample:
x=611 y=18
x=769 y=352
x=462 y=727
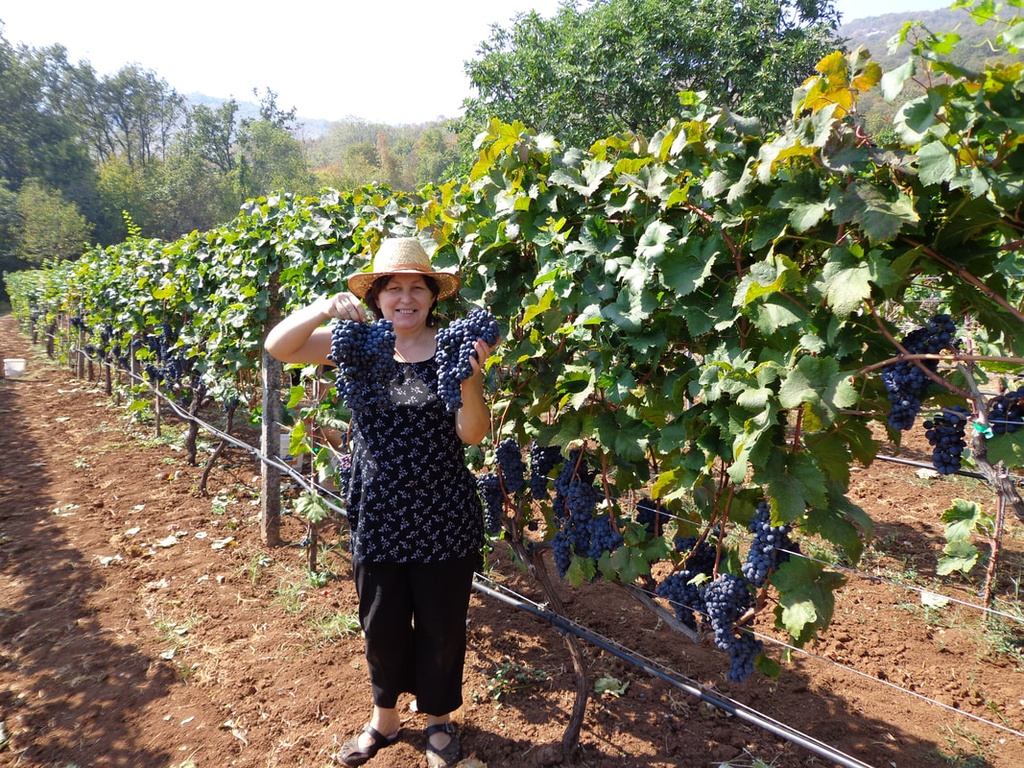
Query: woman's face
x=406 y=301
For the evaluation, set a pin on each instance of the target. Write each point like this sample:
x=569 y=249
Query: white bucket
x=14 y=366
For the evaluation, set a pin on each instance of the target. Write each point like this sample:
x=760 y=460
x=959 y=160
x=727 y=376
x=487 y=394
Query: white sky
x=392 y=62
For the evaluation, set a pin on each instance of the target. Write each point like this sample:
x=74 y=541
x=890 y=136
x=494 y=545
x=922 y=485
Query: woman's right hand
x=342 y=306
x=304 y=337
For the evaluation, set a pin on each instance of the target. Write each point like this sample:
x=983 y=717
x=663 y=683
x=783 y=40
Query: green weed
x=511 y=677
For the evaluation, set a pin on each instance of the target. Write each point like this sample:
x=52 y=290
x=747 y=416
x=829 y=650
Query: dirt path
x=142 y=624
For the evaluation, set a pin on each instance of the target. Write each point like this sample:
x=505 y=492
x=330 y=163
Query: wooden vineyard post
x=270 y=485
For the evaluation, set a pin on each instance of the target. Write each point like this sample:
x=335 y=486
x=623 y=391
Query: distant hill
x=874 y=33
x=306 y=128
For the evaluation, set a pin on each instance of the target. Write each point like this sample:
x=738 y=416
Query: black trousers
x=414 y=620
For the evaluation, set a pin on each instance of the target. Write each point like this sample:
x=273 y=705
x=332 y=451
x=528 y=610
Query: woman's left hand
x=482 y=351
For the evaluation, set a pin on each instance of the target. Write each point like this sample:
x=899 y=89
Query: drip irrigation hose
x=726 y=704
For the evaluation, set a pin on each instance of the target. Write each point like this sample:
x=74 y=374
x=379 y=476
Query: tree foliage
x=619 y=65
x=49 y=227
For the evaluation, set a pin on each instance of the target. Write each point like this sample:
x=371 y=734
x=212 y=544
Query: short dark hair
x=381 y=283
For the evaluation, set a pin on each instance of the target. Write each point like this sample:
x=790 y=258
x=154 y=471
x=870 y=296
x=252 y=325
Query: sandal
x=448 y=755
x=352 y=754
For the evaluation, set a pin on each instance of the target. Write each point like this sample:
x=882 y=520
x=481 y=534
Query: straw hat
x=402 y=256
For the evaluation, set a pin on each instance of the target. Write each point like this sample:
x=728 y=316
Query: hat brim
x=448 y=283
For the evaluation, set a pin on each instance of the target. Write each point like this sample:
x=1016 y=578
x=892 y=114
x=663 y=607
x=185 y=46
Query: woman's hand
x=481 y=351
x=342 y=306
x=473 y=419
x=303 y=337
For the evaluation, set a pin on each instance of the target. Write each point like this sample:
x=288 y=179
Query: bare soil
x=144 y=624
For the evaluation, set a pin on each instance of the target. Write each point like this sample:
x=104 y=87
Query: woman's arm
x=473 y=419
x=302 y=337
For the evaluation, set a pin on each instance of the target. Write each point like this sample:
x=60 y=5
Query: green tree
x=436 y=154
x=141 y=113
x=39 y=138
x=619 y=65
x=271 y=159
x=211 y=134
x=9 y=220
x=50 y=227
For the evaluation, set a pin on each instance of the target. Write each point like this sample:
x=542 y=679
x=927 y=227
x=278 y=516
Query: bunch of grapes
x=650 y=515
x=572 y=469
x=343 y=465
x=511 y=466
x=455 y=345
x=700 y=556
x=905 y=383
x=1006 y=412
x=581 y=531
x=685 y=595
x=603 y=536
x=684 y=589
x=489 y=485
x=543 y=459
x=945 y=434
x=561 y=546
x=726 y=599
x=766 y=551
x=742 y=653
x=365 y=356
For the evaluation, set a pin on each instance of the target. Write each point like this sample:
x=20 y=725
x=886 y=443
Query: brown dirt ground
x=127 y=638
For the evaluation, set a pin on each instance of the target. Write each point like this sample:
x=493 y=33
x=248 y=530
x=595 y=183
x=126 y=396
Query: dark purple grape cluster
x=343 y=467
x=561 y=546
x=742 y=654
x=543 y=459
x=455 y=345
x=603 y=536
x=945 y=434
x=684 y=589
x=573 y=469
x=726 y=599
x=581 y=530
x=699 y=556
x=767 y=550
x=650 y=515
x=163 y=365
x=1006 y=412
x=511 y=466
x=685 y=596
x=905 y=383
x=365 y=356
x=489 y=485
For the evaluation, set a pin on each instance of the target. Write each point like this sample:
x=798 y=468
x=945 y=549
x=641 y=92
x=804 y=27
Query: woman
x=417 y=522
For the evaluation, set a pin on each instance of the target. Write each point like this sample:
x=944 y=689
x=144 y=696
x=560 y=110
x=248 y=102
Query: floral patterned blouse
x=412 y=499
